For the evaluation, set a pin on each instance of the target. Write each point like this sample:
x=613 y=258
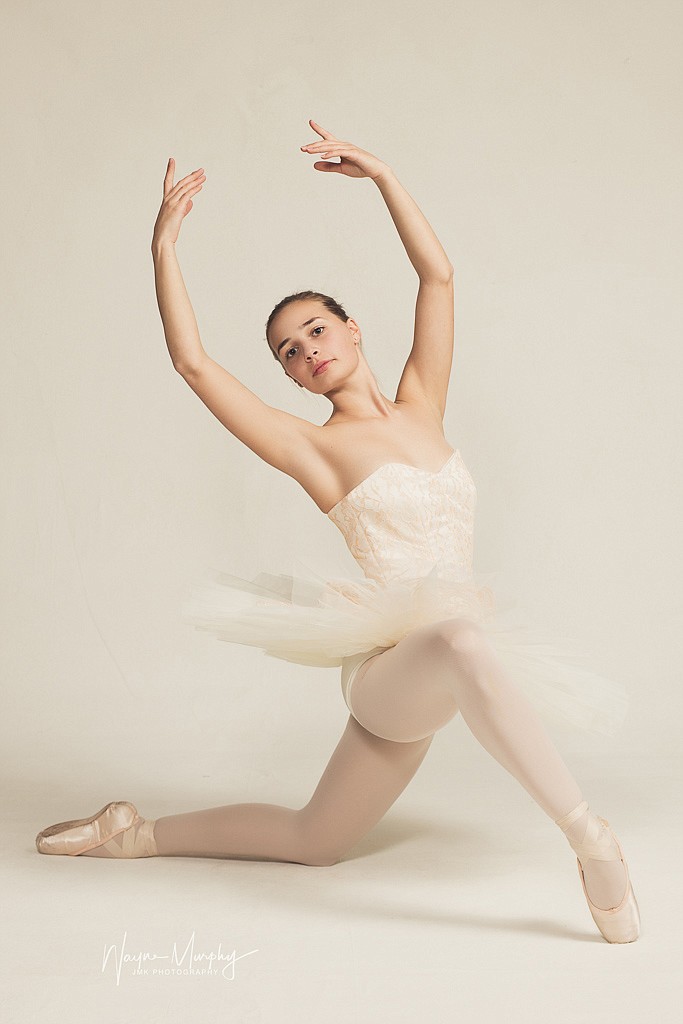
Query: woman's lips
x=322 y=367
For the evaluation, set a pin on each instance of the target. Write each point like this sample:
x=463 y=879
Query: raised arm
x=424 y=249
x=282 y=440
x=427 y=371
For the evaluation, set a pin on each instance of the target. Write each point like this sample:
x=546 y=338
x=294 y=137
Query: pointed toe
x=621 y=923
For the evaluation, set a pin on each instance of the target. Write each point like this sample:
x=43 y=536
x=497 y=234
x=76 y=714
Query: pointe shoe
x=620 y=923
x=75 y=837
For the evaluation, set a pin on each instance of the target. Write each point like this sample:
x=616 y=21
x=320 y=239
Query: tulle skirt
x=312 y=620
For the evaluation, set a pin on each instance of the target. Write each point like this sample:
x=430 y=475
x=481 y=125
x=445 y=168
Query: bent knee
x=319 y=857
x=322 y=862
x=316 y=846
x=462 y=635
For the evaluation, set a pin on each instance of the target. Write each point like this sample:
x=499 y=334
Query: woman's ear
x=354 y=328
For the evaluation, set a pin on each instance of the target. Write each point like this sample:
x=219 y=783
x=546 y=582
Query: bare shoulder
x=338 y=455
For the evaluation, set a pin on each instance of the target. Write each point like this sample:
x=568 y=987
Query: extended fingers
x=173 y=190
x=189 y=181
x=325 y=148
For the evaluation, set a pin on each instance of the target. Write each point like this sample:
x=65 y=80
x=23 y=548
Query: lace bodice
x=401 y=522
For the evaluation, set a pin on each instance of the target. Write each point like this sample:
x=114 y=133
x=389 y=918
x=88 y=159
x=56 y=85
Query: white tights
x=400 y=698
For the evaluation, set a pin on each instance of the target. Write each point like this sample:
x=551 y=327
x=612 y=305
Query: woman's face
x=305 y=335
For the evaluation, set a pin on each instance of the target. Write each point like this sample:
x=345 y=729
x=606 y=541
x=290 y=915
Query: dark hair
x=331 y=305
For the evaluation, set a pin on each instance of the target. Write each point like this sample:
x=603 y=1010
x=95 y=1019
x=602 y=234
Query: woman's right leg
x=363 y=778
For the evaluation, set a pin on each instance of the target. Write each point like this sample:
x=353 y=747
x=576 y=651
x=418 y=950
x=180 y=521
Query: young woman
x=417 y=638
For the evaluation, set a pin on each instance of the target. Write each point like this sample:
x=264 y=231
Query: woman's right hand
x=176 y=203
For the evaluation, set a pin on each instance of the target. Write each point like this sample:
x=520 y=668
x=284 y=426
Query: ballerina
x=415 y=640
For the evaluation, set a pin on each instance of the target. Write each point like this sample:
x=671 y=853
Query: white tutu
x=309 y=620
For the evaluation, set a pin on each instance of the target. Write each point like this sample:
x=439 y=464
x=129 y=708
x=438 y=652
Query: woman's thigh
x=404 y=693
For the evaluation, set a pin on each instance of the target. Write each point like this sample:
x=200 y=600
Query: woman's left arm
x=424 y=249
x=427 y=371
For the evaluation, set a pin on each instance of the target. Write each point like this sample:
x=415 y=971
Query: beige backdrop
x=542 y=141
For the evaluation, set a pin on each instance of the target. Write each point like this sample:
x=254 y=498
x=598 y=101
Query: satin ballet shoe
x=620 y=923
x=116 y=818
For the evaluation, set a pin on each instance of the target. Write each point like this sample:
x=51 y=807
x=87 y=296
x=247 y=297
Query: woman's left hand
x=355 y=162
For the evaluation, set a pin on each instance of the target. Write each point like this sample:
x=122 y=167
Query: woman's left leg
x=395 y=693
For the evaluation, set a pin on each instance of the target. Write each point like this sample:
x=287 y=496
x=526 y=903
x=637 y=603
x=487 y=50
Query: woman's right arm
x=177 y=315
x=180 y=326
x=287 y=442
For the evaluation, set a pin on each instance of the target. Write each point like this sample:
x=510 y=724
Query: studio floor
x=463 y=904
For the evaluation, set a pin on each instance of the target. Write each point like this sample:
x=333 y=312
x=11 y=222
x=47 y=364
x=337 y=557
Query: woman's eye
x=320 y=327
